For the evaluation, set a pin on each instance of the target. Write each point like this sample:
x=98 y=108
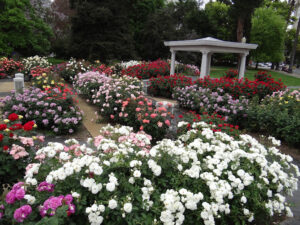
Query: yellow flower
x=6 y=121
x=45 y=81
x=34 y=137
x=20 y=117
x=44 y=74
x=44 y=86
x=286 y=102
x=35 y=126
x=7 y=130
x=52 y=82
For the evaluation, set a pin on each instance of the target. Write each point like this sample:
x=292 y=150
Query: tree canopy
x=268 y=31
x=21 y=30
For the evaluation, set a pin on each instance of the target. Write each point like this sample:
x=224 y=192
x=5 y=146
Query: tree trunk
x=256 y=66
x=292 y=5
x=240 y=29
x=273 y=66
x=294 y=48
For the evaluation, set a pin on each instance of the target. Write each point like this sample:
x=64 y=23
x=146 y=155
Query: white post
x=208 y=63
x=20 y=75
x=172 y=71
x=203 y=72
x=18 y=85
x=242 y=65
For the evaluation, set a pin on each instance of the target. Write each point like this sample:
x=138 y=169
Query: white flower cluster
x=32 y=169
x=125 y=65
x=274 y=141
x=94 y=214
x=147 y=190
x=30 y=199
x=113 y=182
x=156 y=169
x=51 y=149
x=33 y=61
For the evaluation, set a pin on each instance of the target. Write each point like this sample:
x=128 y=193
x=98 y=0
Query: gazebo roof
x=209 y=43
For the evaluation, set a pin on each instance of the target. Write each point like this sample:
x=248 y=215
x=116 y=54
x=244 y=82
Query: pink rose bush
x=202 y=177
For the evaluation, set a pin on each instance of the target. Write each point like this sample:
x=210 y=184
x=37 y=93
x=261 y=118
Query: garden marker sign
x=208 y=46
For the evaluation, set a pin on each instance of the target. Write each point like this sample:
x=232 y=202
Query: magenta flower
x=44 y=186
x=20 y=193
x=22 y=213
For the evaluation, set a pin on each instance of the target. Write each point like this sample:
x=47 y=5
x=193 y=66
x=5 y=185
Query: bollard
x=20 y=75
x=19 y=85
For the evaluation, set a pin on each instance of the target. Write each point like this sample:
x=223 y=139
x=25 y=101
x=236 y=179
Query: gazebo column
x=208 y=63
x=204 y=62
x=242 y=65
x=173 y=53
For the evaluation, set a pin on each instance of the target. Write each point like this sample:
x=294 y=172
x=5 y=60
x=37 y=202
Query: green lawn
x=287 y=80
x=55 y=61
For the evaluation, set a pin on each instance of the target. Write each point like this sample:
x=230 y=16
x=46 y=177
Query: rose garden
x=153 y=163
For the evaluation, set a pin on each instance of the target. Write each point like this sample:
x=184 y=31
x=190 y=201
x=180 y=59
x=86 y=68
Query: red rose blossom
x=3 y=126
x=13 y=117
x=28 y=126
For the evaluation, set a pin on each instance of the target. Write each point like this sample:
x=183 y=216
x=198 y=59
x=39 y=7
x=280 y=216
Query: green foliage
x=278 y=115
x=21 y=30
x=268 y=31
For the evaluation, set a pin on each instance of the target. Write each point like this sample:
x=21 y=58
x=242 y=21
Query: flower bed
x=201 y=178
x=278 y=115
x=16 y=148
x=148 y=70
x=237 y=88
x=206 y=100
x=164 y=86
x=9 y=66
x=52 y=109
x=68 y=70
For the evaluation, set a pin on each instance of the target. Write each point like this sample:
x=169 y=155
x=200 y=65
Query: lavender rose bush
x=51 y=110
x=205 y=100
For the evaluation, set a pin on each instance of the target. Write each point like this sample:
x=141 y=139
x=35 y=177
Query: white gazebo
x=208 y=46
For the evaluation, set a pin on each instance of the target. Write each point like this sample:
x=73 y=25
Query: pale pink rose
x=138 y=109
x=167 y=122
x=153 y=115
x=159 y=124
x=164 y=114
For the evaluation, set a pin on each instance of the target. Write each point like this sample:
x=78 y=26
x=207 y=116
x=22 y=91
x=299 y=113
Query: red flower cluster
x=148 y=70
x=9 y=66
x=218 y=120
x=102 y=69
x=13 y=117
x=28 y=126
x=164 y=85
x=263 y=76
x=231 y=73
x=242 y=87
x=38 y=71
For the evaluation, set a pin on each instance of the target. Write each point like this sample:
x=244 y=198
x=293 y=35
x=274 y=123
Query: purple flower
x=71 y=131
x=44 y=186
x=55 y=129
x=10 y=197
x=22 y=213
x=45 y=122
x=20 y=193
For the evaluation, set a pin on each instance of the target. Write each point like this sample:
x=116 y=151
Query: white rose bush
x=203 y=177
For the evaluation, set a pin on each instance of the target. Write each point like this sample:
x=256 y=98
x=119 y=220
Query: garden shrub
x=277 y=115
x=53 y=109
x=142 y=114
x=263 y=76
x=17 y=147
x=164 y=85
x=186 y=69
x=206 y=100
x=112 y=92
x=148 y=69
x=204 y=177
x=88 y=83
x=31 y=62
x=68 y=70
x=8 y=67
x=231 y=73
x=242 y=87
x=218 y=122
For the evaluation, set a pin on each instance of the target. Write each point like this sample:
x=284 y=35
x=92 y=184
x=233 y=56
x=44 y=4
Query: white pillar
x=172 y=70
x=242 y=65
x=208 y=63
x=204 y=60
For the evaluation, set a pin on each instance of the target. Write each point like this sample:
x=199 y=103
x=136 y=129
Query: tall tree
x=21 y=30
x=268 y=31
x=242 y=10
x=101 y=30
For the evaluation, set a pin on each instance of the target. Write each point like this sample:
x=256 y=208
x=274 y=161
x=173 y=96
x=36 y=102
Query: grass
x=55 y=61
x=286 y=79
